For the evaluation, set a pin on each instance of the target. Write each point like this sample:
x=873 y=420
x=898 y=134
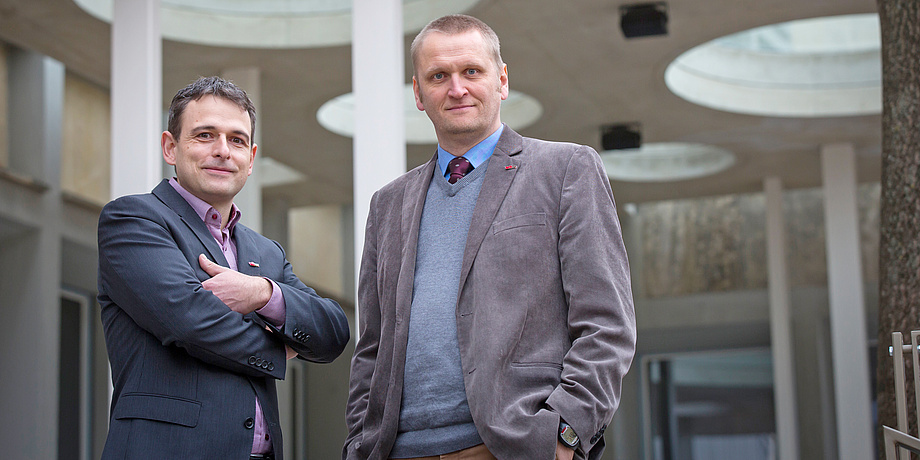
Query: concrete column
x=137 y=88
x=377 y=82
x=249 y=200
x=631 y=227
x=847 y=304
x=276 y=222
x=30 y=263
x=784 y=396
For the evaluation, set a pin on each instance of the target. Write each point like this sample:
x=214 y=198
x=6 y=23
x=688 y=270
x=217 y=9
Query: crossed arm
x=147 y=271
x=241 y=293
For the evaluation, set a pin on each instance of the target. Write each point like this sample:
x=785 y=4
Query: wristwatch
x=567 y=435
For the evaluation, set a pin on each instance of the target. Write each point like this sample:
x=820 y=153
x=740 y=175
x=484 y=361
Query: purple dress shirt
x=273 y=311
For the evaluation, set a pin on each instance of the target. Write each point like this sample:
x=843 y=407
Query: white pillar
x=249 y=200
x=30 y=262
x=137 y=90
x=847 y=304
x=784 y=396
x=377 y=83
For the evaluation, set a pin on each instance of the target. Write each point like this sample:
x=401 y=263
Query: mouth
x=217 y=170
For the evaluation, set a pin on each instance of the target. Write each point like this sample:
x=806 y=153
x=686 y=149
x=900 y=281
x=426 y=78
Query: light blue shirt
x=476 y=155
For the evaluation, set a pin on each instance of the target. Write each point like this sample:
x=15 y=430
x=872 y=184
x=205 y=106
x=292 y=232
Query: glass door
x=710 y=405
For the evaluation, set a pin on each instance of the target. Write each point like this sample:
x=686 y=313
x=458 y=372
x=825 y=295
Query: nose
x=457 y=88
x=222 y=147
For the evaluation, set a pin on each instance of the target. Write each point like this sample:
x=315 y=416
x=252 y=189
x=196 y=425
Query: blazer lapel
x=248 y=260
x=413 y=203
x=414 y=200
x=500 y=173
x=170 y=197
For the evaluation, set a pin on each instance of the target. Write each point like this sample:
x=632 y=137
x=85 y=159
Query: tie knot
x=457 y=168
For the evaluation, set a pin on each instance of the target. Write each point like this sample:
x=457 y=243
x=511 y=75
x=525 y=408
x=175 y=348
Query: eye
x=438 y=76
x=204 y=135
x=238 y=140
x=472 y=71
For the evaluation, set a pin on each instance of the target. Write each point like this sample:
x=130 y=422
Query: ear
x=503 y=79
x=418 y=95
x=252 y=158
x=168 y=145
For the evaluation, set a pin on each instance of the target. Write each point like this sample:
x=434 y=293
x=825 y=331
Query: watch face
x=568 y=436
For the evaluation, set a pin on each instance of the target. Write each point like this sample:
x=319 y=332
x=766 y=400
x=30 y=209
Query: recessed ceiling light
x=271 y=23
x=663 y=162
x=823 y=67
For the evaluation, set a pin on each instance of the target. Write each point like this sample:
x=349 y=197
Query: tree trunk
x=899 y=251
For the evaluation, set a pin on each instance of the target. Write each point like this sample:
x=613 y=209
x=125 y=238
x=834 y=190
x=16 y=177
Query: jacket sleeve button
x=249 y=423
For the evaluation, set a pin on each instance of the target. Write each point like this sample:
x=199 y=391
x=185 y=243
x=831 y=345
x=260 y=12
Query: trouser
x=473 y=453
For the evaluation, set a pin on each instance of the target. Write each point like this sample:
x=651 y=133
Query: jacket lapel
x=414 y=200
x=170 y=197
x=248 y=260
x=500 y=173
x=413 y=203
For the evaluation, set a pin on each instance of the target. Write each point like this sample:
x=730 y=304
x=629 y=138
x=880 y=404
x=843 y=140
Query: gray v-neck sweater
x=435 y=416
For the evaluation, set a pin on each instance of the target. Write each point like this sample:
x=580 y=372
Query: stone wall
x=718 y=244
x=86 y=141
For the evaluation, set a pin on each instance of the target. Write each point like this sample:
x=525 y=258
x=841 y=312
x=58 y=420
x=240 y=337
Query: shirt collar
x=203 y=209
x=476 y=155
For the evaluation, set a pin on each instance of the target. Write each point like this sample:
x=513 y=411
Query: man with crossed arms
x=199 y=311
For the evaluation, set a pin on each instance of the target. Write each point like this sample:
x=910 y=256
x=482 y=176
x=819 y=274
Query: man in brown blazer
x=496 y=315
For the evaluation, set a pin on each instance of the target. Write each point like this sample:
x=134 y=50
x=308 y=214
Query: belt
x=268 y=456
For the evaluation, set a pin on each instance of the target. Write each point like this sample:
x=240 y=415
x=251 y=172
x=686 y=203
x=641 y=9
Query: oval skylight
x=667 y=161
x=338 y=115
x=821 y=67
x=271 y=23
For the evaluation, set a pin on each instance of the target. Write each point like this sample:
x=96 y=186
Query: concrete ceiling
x=570 y=55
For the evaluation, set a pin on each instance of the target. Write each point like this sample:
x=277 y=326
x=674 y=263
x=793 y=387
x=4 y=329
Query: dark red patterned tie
x=458 y=167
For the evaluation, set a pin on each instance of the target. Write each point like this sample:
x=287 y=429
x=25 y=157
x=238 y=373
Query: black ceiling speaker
x=621 y=136
x=644 y=19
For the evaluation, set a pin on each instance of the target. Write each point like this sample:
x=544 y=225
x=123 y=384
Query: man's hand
x=564 y=452
x=242 y=293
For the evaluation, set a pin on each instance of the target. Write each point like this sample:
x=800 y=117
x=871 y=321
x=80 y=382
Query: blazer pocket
x=525 y=220
x=158 y=407
x=519 y=364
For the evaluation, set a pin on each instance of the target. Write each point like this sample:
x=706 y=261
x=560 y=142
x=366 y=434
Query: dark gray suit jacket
x=186 y=369
x=545 y=317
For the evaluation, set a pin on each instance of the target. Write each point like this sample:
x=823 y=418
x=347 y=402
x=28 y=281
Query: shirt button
x=214 y=216
x=249 y=423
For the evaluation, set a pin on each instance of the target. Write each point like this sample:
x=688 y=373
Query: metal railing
x=899 y=443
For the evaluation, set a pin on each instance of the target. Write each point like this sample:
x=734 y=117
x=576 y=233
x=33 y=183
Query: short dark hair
x=208 y=86
x=453 y=24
